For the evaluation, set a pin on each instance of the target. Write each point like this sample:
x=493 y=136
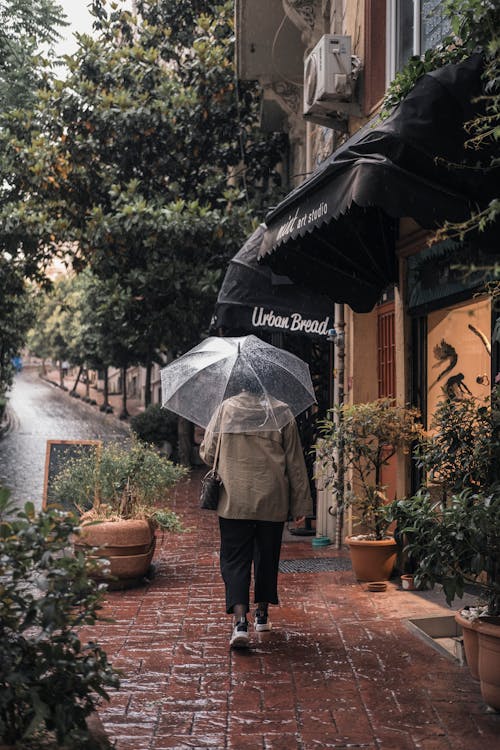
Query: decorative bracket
x=306 y=15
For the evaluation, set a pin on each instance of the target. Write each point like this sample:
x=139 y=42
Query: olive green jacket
x=263 y=473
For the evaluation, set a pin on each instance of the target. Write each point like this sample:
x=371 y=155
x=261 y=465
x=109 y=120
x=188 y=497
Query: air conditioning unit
x=328 y=76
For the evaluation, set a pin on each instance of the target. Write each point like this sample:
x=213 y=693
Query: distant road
x=39 y=412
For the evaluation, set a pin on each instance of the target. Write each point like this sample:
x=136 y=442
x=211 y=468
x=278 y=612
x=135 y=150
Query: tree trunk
x=147 y=388
x=185 y=441
x=124 y=413
x=105 y=404
x=75 y=385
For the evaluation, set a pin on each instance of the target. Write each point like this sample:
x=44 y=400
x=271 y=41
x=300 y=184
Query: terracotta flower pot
x=407 y=582
x=471 y=643
x=128 y=546
x=372 y=560
x=488 y=629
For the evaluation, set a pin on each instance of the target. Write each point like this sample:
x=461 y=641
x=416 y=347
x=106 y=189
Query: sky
x=78 y=15
x=80 y=20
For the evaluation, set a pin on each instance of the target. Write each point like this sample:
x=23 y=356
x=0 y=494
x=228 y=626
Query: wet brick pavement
x=40 y=411
x=340 y=669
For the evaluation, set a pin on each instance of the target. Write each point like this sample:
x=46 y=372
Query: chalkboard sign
x=58 y=453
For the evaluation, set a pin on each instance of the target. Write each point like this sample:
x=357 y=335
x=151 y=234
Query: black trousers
x=241 y=543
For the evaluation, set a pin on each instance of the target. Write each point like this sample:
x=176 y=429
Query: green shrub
x=455 y=543
x=156 y=425
x=49 y=680
x=464 y=450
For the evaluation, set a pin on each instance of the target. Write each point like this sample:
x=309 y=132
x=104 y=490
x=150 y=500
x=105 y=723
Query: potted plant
x=455 y=544
x=454 y=540
x=122 y=494
x=50 y=682
x=361 y=439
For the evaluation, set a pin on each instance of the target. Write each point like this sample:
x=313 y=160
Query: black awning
x=253 y=298
x=336 y=232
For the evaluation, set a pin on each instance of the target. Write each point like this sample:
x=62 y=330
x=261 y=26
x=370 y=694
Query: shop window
x=458 y=353
x=413 y=26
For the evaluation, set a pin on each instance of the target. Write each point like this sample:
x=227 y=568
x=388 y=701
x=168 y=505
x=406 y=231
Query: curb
x=92 y=406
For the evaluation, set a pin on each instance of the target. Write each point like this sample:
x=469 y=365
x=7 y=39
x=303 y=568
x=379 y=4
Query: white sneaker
x=240 y=637
x=262 y=622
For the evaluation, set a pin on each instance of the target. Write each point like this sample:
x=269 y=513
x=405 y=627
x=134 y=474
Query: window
x=386 y=351
x=413 y=26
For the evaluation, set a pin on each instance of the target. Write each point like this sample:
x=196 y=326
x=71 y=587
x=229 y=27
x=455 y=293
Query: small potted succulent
x=363 y=438
x=123 y=496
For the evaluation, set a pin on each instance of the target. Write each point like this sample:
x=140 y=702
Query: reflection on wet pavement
x=39 y=412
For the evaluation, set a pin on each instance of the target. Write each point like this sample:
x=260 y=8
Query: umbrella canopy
x=206 y=385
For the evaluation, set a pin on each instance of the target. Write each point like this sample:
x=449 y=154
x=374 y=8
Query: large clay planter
x=471 y=643
x=128 y=545
x=488 y=629
x=372 y=560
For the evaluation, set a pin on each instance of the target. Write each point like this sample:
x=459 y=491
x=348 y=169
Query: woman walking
x=264 y=483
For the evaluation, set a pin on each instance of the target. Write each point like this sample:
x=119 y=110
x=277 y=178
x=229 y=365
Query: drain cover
x=314 y=565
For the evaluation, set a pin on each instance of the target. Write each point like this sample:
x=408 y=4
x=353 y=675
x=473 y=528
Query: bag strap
x=216 y=457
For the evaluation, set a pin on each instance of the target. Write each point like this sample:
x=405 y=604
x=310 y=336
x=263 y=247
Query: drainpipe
x=339 y=368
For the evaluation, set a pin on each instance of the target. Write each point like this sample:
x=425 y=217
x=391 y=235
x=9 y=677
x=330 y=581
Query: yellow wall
x=459 y=362
x=362 y=376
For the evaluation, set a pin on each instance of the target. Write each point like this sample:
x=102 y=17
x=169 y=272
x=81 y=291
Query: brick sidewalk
x=340 y=669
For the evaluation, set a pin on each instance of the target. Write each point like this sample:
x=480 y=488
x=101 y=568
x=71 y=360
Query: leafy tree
x=16 y=314
x=51 y=335
x=475 y=27
x=27 y=27
x=128 y=161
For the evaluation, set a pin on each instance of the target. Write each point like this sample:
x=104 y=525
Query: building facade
x=366 y=198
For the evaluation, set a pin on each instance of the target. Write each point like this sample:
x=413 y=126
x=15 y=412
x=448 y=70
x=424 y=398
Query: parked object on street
x=362 y=438
x=123 y=494
x=196 y=384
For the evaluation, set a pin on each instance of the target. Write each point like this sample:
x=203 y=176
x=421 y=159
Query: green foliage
x=26 y=27
x=457 y=540
x=365 y=436
x=417 y=66
x=155 y=425
x=476 y=27
x=118 y=482
x=16 y=316
x=127 y=160
x=463 y=449
x=454 y=544
x=49 y=679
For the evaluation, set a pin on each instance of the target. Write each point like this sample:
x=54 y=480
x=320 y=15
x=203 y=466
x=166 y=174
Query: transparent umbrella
x=237 y=384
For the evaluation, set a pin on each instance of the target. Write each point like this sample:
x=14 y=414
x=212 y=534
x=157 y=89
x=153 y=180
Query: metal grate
x=314 y=565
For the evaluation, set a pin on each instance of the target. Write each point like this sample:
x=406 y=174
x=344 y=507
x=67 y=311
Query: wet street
x=38 y=412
